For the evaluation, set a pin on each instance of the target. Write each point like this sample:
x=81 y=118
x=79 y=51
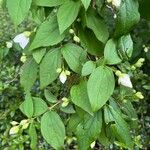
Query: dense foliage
x=74 y=74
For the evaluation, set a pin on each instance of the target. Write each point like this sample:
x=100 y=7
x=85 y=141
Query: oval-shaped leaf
x=27 y=106
x=39 y=106
x=47 y=34
x=38 y=54
x=97 y=25
x=111 y=53
x=67 y=13
x=127 y=17
x=28 y=74
x=48 y=67
x=79 y=96
x=18 y=10
x=88 y=68
x=33 y=136
x=125 y=46
x=100 y=87
x=75 y=56
x=88 y=130
x=53 y=129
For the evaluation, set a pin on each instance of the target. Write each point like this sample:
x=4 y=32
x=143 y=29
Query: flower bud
x=65 y=102
x=14 y=130
x=71 y=31
x=145 y=49
x=27 y=33
x=133 y=67
x=9 y=44
x=118 y=73
x=23 y=58
x=67 y=72
x=24 y=121
x=76 y=39
x=92 y=145
x=141 y=60
x=14 y=123
x=139 y=95
x=59 y=70
x=25 y=126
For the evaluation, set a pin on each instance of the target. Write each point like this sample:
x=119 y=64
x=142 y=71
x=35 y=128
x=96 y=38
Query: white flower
x=14 y=130
x=124 y=79
x=9 y=44
x=22 y=39
x=116 y=3
x=63 y=77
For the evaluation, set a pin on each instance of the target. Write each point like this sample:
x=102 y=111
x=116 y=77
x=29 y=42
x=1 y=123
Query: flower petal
x=63 y=77
x=125 y=81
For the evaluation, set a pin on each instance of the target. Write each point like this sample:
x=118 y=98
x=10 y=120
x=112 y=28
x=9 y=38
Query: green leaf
x=79 y=96
x=48 y=67
x=86 y=3
x=103 y=139
x=38 y=14
x=74 y=120
x=75 y=56
x=88 y=130
x=97 y=25
x=47 y=34
x=33 y=136
x=38 y=54
x=122 y=129
x=48 y=3
x=18 y=10
x=125 y=46
x=111 y=53
x=100 y=86
x=127 y=17
x=88 y=68
x=144 y=9
x=53 y=129
x=49 y=96
x=40 y=106
x=28 y=74
x=67 y=13
x=27 y=106
x=90 y=42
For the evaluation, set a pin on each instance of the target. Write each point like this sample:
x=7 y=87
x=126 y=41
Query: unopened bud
x=76 y=39
x=133 y=67
x=23 y=58
x=118 y=73
x=71 y=31
x=139 y=95
x=9 y=44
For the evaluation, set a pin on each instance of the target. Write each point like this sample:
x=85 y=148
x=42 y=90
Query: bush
x=75 y=74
